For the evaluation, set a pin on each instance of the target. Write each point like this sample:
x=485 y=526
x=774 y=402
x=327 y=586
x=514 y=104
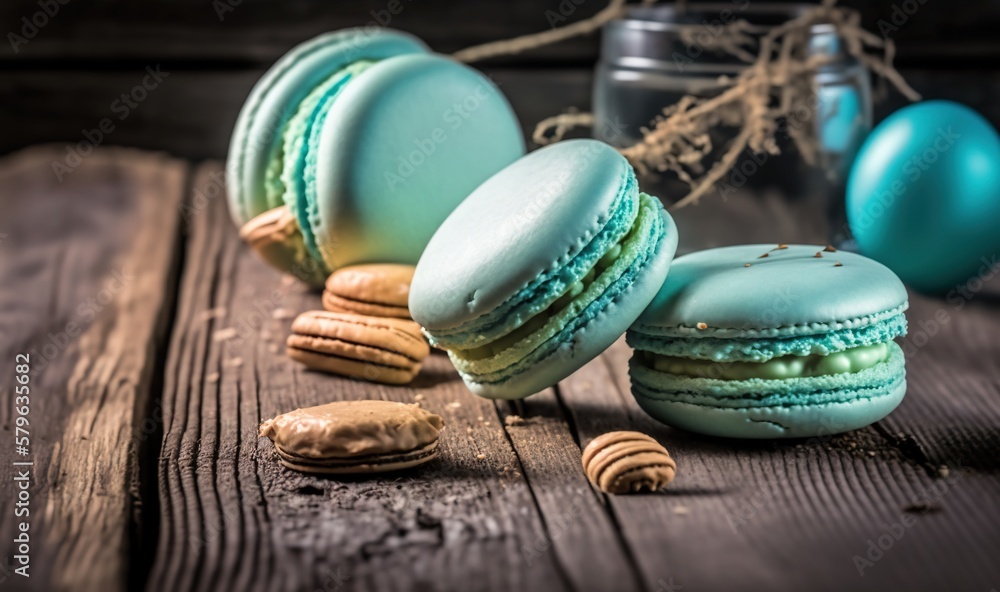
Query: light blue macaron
x=771 y=341
x=542 y=268
x=370 y=140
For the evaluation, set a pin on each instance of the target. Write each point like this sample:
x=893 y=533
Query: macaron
x=370 y=141
x=771 y=341
x=355 y=437
x=542 y=268
x=376 y=349
x=375 y=289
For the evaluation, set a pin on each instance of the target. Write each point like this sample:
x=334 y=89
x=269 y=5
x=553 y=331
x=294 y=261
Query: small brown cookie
x=378 y=290
x=372 y=348
x=354 y=437
x=276 y=237
x=628 y=462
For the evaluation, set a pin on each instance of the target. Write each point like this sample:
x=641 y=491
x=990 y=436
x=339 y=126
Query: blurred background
x=67 y=65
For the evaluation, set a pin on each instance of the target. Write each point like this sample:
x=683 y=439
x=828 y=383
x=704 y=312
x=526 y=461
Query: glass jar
x=646 y=64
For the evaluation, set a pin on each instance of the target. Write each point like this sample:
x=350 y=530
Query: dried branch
x=778 y=81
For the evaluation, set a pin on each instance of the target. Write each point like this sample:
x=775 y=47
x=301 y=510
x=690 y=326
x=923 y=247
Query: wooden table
x=156 y=346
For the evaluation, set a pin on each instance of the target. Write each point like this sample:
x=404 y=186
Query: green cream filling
x=848 y=361
x=577 y=292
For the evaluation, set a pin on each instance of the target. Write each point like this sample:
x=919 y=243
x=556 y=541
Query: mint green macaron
x=370 y=140
x=771 y=341
x=542 y=268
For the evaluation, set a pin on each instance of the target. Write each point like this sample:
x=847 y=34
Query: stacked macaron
x=356 y=139
x=766 y=341
x=366 y=331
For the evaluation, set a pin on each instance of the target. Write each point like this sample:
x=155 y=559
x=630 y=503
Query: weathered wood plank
x=233 y=518
x=87 y=272
x=794 y=515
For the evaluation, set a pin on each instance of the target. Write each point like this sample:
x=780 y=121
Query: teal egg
x=923 y=195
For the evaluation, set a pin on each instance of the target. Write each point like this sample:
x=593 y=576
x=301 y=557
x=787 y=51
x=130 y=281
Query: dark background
x=66 y=78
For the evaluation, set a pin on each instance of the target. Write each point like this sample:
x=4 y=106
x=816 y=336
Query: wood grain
x=87 y=273
x=497 y=511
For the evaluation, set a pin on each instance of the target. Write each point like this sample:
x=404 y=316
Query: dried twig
x=777 y=81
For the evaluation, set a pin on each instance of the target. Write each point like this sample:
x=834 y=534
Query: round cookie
x=377 y=349
x=376 y=289
x=766 y=341
x=354 y=437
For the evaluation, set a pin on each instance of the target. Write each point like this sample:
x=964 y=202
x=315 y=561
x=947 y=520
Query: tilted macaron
x=355 y=437
x=542 y=268
x=370 y=141
x=765 y=341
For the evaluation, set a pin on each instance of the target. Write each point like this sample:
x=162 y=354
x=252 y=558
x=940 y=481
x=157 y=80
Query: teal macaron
x=771 y=341
x=542 y=268
x=370 y=140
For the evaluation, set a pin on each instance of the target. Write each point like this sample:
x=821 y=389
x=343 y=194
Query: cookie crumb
x=830 y=249
x=213 y=377
x=282 y=314
x=838 y=264
x=818 y=255
x=681 y=510
x=453 y=405
x=780 y=247
x=943 y=471
x=418 y=397
x=513 y=420
x=481 y=456
x=703 y=326
x=765 y=255
x=746 y=265
x=224 y=334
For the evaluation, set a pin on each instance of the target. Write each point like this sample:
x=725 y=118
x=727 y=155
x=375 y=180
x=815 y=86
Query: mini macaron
x=375 y=289
x=370 y=141
x=542 y=268
x=355 y=437
x=376 y=349
x=771 y=341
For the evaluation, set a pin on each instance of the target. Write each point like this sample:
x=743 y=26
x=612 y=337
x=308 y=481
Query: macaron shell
x=276 y=96
x=403 y=145
x=526 y=221
x=598 y=333
x=790 y=292
x=800 y=421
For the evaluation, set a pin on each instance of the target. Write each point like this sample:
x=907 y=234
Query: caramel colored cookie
x=378 y=290
x=372 y=348
x=354 y=437
x=628 y=462
x=276 y=237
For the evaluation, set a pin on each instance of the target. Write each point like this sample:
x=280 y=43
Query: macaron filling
x=291 y=174
x=792 y=366
x=613 y=270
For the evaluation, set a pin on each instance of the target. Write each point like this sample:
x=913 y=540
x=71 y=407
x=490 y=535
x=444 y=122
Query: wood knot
x=628 y=462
